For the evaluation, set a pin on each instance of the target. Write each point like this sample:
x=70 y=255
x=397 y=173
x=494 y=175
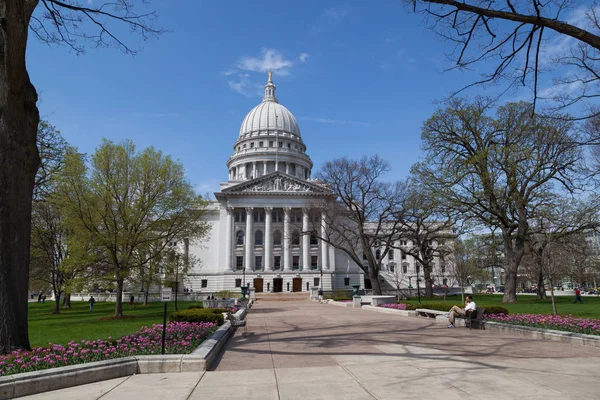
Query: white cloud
x=336 y=14
x=244 y=86
x=334 y=121
x=303 y=57
x=269 y=59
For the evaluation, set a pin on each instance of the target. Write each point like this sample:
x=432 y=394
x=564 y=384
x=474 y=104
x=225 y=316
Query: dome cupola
x=269 y=140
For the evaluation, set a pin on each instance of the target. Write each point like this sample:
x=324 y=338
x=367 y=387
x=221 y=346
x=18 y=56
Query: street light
x=176 y=279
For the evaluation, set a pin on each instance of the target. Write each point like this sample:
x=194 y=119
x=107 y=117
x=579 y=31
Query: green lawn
x=529 y=304
x=79 y=323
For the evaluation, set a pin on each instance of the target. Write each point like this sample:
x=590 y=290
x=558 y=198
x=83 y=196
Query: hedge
x=198 y=315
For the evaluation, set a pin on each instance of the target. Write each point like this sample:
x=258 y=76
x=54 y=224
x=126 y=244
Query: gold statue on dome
x=270 y=76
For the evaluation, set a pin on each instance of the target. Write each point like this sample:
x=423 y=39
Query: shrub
x=225 y=294
x=198 y=315
x=495 y=310
x=338 y=295
x=344 y=298
x=435 y=306
x=195 y=307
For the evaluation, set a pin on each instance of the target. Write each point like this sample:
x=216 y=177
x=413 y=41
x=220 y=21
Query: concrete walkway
x=305 y=350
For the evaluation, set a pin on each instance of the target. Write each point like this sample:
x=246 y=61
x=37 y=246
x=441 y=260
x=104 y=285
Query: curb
x=546 y=334
x=383 y=310
x=200 y=359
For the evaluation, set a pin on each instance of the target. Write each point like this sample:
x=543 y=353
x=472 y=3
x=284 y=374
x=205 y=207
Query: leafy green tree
x=131 y=205
x=498 y=171
x=53 y=21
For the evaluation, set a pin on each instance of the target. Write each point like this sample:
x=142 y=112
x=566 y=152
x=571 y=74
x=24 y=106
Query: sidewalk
x=305 y=350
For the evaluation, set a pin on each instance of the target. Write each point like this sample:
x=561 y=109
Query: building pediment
x=277 y=183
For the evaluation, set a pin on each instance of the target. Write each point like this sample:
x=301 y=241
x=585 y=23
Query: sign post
x=165 y=297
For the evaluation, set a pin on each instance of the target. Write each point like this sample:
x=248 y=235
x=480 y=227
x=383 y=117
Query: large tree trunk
x=119 y=301
x=541 y=289
x=57 y=297
x=513 y=252
x=146 y=295
x=67 y=301
x=374 y=277
x=428 y=280
x=19 y=161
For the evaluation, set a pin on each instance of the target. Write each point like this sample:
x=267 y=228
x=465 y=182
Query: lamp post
x=418 y=288
x=176 y=279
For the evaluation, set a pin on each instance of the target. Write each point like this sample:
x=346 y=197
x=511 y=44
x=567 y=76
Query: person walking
x=577 y=296
x=131 y=300
x=92 y=300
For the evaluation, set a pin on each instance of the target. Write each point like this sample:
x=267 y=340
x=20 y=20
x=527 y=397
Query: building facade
x=259 y=214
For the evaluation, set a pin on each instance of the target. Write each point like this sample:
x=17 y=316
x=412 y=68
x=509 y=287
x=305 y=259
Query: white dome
x=269 y=117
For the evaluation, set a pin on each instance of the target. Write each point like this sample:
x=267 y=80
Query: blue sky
x=360 y=77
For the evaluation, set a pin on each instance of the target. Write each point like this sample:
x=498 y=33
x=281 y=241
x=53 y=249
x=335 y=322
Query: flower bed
x=566 y=323
x=181 y=338
x=399 y=306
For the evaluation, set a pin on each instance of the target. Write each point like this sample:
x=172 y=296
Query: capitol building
x=261 y=217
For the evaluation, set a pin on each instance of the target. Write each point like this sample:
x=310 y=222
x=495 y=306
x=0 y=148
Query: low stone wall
x=404 y=313
x=377 y=300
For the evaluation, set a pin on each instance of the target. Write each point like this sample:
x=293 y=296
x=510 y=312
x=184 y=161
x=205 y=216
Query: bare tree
x=68 y=22
x=462 y=264
x=499 y=171
x=524 y=41
x=361 y=222
x=425 y=227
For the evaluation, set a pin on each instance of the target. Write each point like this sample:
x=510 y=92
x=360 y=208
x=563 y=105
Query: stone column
x=268 y=238
x=287 y=239
x=287 y=168
x=253 y=169
x=249 y=243
x=324 y=245
x=228 y=240
x=264 y=167
x=305 y=241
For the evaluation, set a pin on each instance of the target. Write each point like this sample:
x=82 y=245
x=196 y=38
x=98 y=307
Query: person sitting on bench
x=455 y=311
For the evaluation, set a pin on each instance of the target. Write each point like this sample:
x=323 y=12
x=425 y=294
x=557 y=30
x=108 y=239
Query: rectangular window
x=259 y=216
x=277 y=262
x=403 y=256
x=239 y=262
x=270 y=143
x=346 y=281
x=260 y=144
x=280 y=144
x=258 y=262
x=289 y=145
x=238 y=283
x=314 y=261
x=295 y=262
x=391 y=254
x=443 y=266
x=444 y=281
x=240 y=216
x=277 y=216
x=252 y=145
x=204 y=283
x=317 y=282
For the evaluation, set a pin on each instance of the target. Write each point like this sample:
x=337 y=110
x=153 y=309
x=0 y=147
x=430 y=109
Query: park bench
x=425 y=312
x=236 y=323
x=476 y=319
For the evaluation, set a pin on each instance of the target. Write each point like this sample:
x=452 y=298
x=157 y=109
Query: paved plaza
x=305 y=350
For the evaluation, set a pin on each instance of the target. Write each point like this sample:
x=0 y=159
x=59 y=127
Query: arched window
x=239 y=237
x=296 y=238
x=404 y=268
x=258 y=238
x=277 y=238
